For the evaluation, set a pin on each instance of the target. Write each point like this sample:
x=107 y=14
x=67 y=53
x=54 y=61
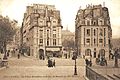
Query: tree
x=6 y=33
x=69 y=44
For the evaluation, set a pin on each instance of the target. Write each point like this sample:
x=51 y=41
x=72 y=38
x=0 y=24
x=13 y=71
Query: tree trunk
x=4 y=47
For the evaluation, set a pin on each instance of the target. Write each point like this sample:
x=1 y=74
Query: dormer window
x=54 y=21
x=88 y=22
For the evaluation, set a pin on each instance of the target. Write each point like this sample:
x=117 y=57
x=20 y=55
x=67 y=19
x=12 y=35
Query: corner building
x=42 y=30
x=93 y=32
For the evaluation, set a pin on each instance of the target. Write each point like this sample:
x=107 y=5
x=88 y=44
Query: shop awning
x=52 y=49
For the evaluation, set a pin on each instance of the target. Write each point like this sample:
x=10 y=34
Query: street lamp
x=74 y=58
x=75 y=71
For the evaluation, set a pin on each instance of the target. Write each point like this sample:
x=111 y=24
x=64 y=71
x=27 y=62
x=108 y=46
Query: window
x=47 y=42
x=101 y=32
x=104 y=32
x=101 y=22
x=95 y=22
x=37 y=41
x=54 y=29
x=54 y=41
x=41 y=21
x=41 y=40
x=94 y=41
x=94 y=32
x=88 y=41
x=54 y=35
x=88 y=32
x=88 y=22
x=83 y=22
x=47 y=34
x=54 y=26
x=54 y=21
x=100 y=40
x=41 y=33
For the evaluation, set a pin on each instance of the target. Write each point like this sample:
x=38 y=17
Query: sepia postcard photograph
x=59 y=40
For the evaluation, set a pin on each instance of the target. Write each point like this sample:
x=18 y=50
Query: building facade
x=93 y=31
x=41 y=30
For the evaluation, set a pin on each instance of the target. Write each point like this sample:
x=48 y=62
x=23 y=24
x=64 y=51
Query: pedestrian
x=54 y=63
x=50 y=64
x=83 y=56
x=18 y=56
x=86 y=60
x=65 y=56
x=90 y=63
x=112 y=56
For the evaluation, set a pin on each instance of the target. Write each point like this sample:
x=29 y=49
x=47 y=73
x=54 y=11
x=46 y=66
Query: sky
x=68 y=10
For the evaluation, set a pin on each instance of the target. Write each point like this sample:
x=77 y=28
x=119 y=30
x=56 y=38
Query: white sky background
x=68 y=10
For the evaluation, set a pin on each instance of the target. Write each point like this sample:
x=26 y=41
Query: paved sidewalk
x=33 y=69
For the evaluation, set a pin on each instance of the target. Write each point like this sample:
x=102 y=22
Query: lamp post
x=75 y=68
x=75 y=71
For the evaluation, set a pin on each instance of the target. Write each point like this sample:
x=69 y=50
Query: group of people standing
x=9 y=53
x=51 y=63
x=88 y=62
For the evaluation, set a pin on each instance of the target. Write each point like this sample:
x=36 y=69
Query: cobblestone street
x=33 y=69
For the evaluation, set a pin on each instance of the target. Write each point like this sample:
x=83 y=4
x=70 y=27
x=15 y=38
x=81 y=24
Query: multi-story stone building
x=93 y=31
x=42 y=30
